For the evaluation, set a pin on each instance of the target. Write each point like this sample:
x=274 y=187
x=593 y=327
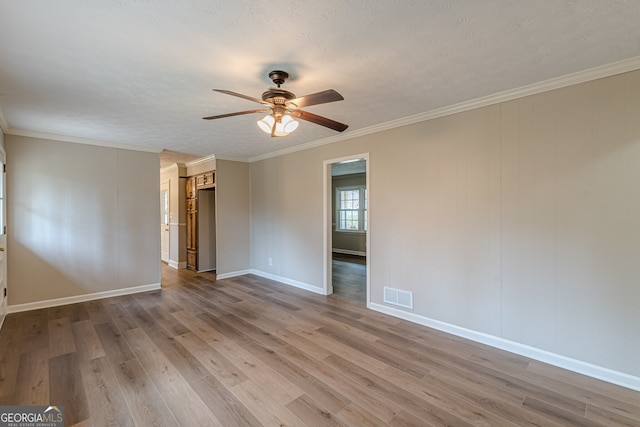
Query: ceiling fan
x=282 y=106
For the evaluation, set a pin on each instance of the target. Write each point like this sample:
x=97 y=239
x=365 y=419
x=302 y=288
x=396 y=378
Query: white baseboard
x=290 y=282
x=348 y=252
x=176 y=264
x=578 y=366
x=81 y=298
x=232 y=274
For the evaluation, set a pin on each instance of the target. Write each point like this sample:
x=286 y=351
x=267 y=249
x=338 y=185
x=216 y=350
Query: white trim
x=200 y=160
x=578 y=366
x=233 y=159
x=81 y=140
x=313 y=144
x=290 y=282
x=232 y=274
x=5 y=242
x=81 y=298
x=626 y=65
x=327 y=227
x=327 y=243
x=348 y=252
x=177 y=265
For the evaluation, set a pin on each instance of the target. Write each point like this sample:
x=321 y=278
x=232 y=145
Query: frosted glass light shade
x=288 y=124
x=284 y=127
x=266 y=123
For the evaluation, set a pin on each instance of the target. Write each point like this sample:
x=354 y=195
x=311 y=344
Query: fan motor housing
x=277 y=96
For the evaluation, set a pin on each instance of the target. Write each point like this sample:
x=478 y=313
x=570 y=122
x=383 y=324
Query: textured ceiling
x=141 y=72
x=168 y=158
x=349 y=167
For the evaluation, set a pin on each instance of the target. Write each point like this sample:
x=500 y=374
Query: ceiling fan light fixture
x=288 y=124
x=266 y=123
x=285 y=106
x=282 y=127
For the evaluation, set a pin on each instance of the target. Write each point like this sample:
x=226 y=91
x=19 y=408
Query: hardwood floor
x=250 y=351
x=350 y=277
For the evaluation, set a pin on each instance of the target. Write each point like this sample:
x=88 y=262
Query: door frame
x=3 y=237
x=327 y=216
x=166 y=185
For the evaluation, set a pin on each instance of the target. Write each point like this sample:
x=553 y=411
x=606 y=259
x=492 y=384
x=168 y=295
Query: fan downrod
x=278 y=77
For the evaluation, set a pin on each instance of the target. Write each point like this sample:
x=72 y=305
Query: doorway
x=206 y=230
x=346 y=227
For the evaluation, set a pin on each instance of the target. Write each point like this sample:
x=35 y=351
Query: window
x=351 y=205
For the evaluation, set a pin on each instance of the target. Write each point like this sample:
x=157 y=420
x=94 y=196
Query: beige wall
x=521 y=219
x=82 y=219
x=286 y=216
x=233 y=210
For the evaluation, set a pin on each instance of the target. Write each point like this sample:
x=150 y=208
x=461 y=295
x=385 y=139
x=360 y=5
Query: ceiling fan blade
x=239 y=95
x=319 y=120
x=323 y=97
x=239 y=113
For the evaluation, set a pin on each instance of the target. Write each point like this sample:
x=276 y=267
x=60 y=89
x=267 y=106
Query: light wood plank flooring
x=350 y=277
x=249 y=351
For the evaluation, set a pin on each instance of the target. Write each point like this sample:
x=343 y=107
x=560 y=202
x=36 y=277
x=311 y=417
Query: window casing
x=351 y=209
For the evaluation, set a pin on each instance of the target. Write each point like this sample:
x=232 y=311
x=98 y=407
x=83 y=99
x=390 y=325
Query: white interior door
x=164 y=222
x=3 y=240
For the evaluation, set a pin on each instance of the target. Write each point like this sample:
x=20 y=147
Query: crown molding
x=619 y=67
x=80 y=140
x=233 y=159
x=312 y=144
x=200 y=160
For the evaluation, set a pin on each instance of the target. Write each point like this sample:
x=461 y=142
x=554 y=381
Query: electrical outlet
x=270 y=261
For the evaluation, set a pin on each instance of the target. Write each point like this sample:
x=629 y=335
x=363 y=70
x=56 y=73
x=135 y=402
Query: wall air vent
x=398 y=297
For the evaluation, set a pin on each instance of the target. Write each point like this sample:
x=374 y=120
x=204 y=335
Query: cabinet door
x=192 y=260
x=206 y=180
x=209 y=179
x=191 y=187
x=192 y=230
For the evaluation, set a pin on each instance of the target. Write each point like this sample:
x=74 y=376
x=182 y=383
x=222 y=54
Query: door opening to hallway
x=346 y=225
